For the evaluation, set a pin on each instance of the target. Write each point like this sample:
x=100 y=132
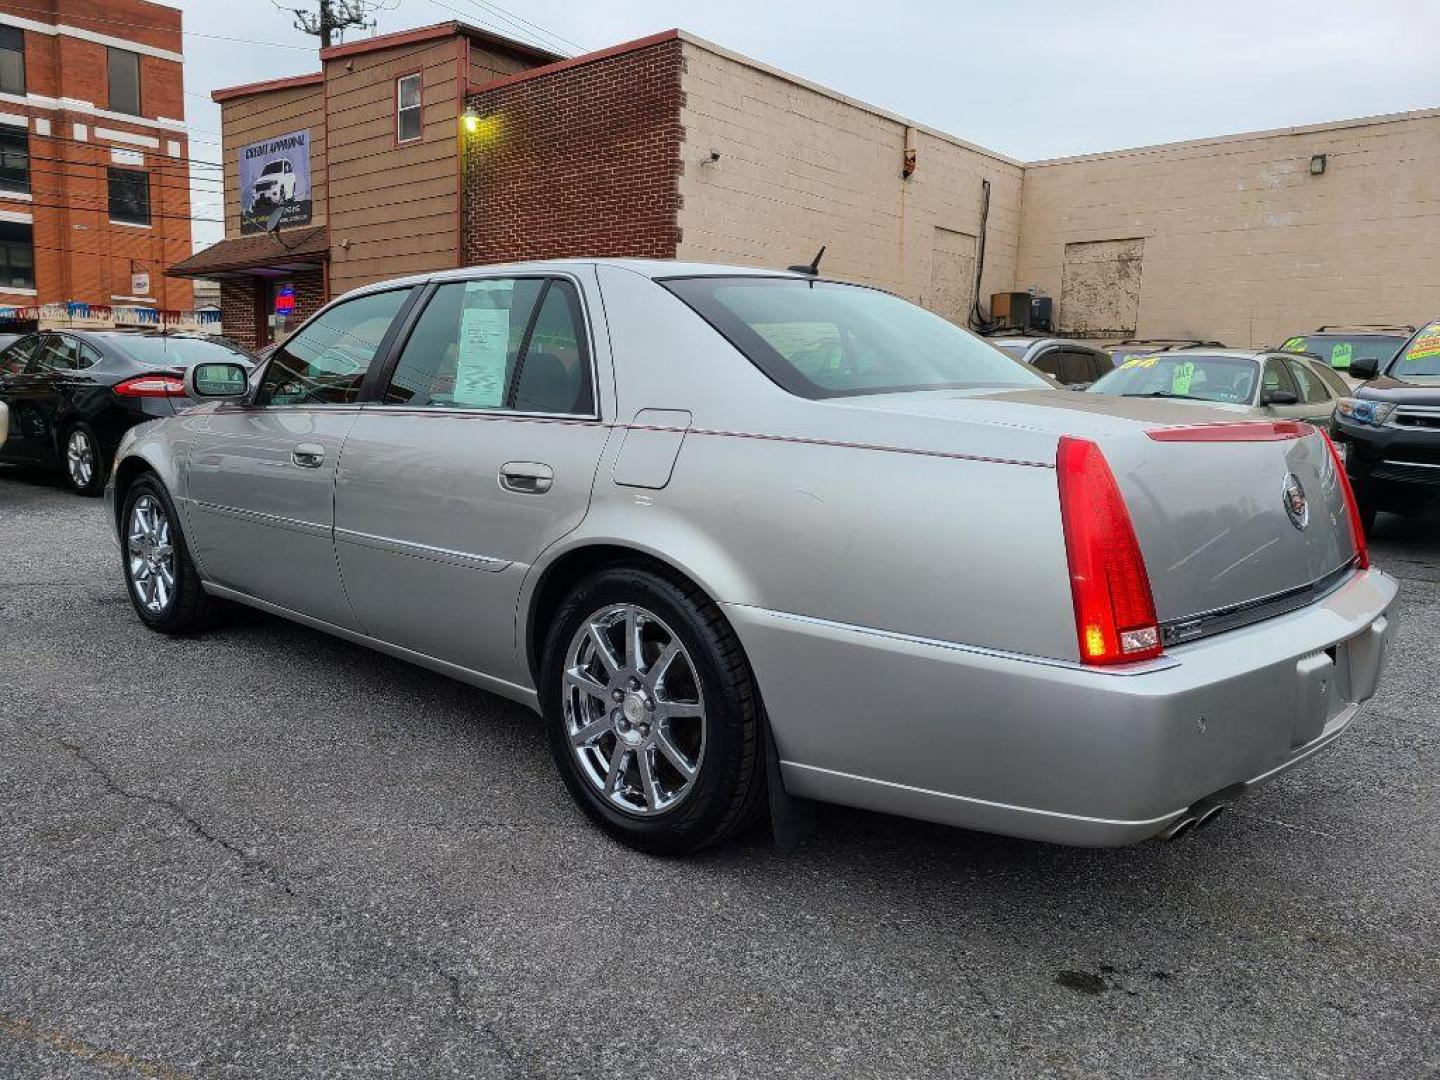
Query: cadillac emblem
x=1295 y=504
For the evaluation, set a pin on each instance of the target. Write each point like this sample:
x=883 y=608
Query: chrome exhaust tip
x=1176 y=829
x=1209 y=814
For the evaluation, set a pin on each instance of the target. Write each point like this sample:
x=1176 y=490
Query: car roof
x=1227 y=353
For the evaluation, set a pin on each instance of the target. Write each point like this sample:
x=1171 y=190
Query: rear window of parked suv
x=822 y=339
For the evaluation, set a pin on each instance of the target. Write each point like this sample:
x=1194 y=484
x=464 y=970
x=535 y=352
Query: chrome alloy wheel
x=634 y=713
x=150 y=554
x=80 y=458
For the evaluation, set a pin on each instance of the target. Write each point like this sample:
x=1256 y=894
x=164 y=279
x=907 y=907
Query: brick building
x=94 y=162
x=449 y=146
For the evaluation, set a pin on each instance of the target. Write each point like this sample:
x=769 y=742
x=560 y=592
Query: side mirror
x=217 y=382
x=1363 y=368
x=1279 y=397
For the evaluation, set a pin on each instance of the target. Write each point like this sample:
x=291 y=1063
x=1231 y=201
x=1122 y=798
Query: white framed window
x=407 y=108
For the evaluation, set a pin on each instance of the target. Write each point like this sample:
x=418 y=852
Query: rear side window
x=821 y=339
x=497 y=343
x=325 y=363
x=1049 y=363
x=1311 y=389
x=57 y=354
x=1335 y=383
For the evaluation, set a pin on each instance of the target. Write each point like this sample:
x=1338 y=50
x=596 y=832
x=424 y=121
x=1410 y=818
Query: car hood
x=1420 y=390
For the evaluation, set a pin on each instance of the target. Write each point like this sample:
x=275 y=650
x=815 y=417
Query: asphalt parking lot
x=269 y=853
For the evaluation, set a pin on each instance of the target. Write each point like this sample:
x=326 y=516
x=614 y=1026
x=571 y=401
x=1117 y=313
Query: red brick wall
x=79 y=254
x=239 y=311
x=581 y=161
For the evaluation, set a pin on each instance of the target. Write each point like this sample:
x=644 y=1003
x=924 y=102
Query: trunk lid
x=1210 y=517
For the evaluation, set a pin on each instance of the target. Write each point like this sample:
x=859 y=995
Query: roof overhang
x=261 y=255
x=228 y=93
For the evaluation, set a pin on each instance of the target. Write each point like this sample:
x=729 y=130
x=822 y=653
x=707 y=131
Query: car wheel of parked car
x=652 y=712
x=163 y=583
x=84 y=460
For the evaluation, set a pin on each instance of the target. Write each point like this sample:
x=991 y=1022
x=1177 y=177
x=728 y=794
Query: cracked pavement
x=268 y=853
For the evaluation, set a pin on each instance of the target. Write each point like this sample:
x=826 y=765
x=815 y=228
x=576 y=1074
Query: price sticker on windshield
x=1426 y=345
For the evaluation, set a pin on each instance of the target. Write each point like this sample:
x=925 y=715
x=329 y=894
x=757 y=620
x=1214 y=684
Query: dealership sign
x=275 y=175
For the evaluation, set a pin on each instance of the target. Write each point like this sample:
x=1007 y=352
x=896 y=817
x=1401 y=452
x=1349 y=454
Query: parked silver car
x=1068 y=362
x=1266 y=383
x=699 y=516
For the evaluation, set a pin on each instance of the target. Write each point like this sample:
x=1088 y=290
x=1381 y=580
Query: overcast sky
x=1045 y=78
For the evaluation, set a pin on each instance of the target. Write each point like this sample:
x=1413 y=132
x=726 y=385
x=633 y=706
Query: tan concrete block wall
x=800 y=167
x=1241 y=243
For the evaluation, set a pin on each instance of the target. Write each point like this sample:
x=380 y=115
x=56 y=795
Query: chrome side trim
x=1143 y=667
x=307 y=528
x=421 y=551
x=522 y=695
x=1413 y=464
x=1008 y=807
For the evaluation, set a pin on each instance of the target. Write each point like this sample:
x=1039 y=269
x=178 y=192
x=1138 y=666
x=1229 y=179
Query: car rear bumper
x=1053 y=750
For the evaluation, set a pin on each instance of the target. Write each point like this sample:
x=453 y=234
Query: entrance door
x=262 y=475
x=480 y=455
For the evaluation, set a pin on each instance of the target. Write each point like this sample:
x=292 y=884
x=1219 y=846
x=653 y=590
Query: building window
x=124 y=81
x=12 y=60
x=17 y=255
x=407 y=108
x=129 y=196
x=14 y=159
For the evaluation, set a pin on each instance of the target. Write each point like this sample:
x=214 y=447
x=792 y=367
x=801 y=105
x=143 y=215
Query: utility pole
x=334 y=17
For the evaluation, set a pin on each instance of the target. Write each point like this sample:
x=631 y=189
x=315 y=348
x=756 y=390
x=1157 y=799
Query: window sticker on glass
x=1295 y=344
x=1141 y=362
x=484 y=344
x=1341 y=354
x=1182 y=377
x=1426 y=345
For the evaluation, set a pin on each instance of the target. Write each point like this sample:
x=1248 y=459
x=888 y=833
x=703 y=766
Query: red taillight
x=152 y=386
x=1114 y=611
x=1245 y=431
x=1357 y=530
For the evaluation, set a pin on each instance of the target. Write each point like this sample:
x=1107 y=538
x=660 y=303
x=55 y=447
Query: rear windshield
x=1338 y=350
x=821 y=339
x=1181 y=375
x=176 y=352
x=1420 y=356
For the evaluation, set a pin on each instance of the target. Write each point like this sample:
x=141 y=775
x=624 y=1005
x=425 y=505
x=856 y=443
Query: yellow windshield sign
x=1295 y=344
x=1426 y=345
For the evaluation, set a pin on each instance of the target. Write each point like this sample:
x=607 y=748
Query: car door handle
x=308 y=455
x=526 y=477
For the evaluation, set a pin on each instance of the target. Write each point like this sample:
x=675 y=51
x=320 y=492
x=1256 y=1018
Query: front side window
x=17 y=255
x=129 y=196
x=14 y=159
x=12 y=60
x=124 y=77
x=821 y=339
x=408 y=121
x=497 y=343
x=325 y=363
x=1182 y=374
x=1277 y=379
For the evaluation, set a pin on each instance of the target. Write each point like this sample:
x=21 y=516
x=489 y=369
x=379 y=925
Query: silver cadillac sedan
x=741 y=537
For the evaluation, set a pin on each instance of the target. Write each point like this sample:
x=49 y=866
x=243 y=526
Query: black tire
x=727 y=794
x=91 y=483
x=188 y=608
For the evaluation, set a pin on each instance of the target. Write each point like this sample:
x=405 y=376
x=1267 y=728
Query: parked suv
x=1340 y=346
x=1389 y=431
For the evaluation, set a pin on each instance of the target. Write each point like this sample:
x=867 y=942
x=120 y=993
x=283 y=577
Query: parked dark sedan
x=1389 y=430
x=71 y=395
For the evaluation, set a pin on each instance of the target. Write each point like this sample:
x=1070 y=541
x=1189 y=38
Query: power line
x=513 y=18
x=534 y=40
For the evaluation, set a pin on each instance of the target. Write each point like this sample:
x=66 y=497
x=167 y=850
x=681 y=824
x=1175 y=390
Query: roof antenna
x=813 y=269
